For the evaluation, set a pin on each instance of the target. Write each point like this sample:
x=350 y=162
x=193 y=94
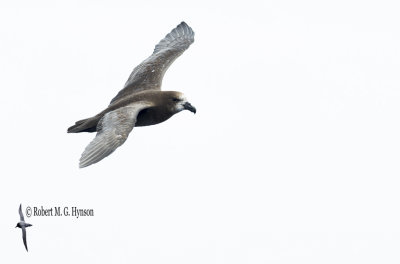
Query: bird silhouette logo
x=21 y=224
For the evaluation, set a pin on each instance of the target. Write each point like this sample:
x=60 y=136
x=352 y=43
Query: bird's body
x=21 y=224
x=141 y=102
x=147 y=117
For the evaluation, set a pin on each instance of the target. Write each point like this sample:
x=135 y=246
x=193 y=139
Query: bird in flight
x=141 y=102
x=21 y=224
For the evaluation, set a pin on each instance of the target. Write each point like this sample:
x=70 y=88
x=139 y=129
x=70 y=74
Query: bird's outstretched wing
x=113 y=129
x=149 y=74
x=21 y=215
x=24 y=237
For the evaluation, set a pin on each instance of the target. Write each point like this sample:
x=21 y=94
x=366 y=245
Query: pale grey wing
x=113 y=130
x=149 y=74
x=21 y=215
x=24 y=237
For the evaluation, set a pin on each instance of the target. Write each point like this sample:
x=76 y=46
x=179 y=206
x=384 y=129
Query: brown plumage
x=141 y=102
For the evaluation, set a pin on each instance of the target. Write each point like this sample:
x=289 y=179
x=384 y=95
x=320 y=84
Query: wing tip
x=183 y=24
x=82 y=165
x=86 y=161
x=181 y=31
x=96 y=151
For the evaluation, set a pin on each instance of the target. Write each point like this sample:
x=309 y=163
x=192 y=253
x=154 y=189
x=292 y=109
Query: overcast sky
x=292 y=157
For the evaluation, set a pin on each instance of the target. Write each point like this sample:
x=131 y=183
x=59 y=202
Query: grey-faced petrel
x=141 y=102
x=21 y=224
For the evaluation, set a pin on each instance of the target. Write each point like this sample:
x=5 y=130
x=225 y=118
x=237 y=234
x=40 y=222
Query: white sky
x=292 y=157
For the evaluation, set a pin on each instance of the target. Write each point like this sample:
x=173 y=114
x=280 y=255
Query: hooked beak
x=189 y=107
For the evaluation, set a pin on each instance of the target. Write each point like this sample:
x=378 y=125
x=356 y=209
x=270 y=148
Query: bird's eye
x=175 y=99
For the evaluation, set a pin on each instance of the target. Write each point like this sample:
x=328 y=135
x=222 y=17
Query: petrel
x=141 y=102
x=21 y=224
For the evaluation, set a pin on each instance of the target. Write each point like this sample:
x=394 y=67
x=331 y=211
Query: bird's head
x=177 y=102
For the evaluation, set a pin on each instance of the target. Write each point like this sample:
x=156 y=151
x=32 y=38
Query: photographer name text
x=58 y=211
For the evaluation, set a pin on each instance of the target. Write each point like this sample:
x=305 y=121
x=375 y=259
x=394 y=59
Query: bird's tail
x=85 y=125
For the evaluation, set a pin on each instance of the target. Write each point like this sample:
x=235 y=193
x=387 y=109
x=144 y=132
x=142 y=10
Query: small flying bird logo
x=21 y=224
